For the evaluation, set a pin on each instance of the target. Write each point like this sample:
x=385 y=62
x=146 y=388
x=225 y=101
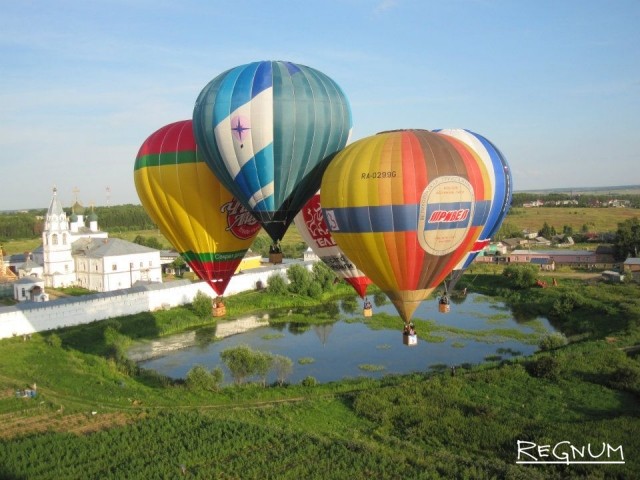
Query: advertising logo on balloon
x=330 y=215
x=240 y=222
x=338 y=263
x=313 y=219
x=446 y=209
x=240 y=128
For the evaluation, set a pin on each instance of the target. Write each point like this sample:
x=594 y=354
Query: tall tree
x=547 y=231
x=627 y=241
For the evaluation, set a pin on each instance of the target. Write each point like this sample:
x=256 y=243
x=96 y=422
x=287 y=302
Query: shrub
x=218 y=377
x=54 y=340
x=553 y=341
x=547 y=366
x=199 y=378
x=314 y=290
x=276 y=284
x=201 y=305
x=300 y=279
x=323 y=276
x=309 y=381
x=521 y=276
x=262 y=363
x=566 y=304
x=283 y=366
x=626 y=377
x=239 y=361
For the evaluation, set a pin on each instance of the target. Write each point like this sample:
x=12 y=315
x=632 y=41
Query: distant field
x=597 y=219
x=614 y=190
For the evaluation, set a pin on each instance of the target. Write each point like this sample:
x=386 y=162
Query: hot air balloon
x=314 y=231
x=267 y=129
x=406 y=206
x=501 y=184
x=193 y=210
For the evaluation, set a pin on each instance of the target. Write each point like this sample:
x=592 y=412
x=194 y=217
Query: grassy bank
x=430 y=425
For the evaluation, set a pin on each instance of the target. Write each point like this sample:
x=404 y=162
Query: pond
x=477 y=329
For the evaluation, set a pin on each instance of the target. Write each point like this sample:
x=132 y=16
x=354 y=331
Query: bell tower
x=59 y=267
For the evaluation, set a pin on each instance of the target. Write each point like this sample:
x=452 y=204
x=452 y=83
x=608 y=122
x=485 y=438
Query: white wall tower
x=59 y=267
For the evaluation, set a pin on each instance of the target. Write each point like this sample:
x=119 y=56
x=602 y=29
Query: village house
x=574 y=258
x=513 y=243
x=604 y=255
x=631 y=266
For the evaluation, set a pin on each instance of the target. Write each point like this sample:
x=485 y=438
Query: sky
x=554 y=84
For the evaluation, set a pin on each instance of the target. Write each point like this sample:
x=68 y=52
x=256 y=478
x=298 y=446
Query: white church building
x=74 y=254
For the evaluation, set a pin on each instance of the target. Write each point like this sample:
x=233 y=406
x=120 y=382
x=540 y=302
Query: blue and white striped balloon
x=267 y=130
x=501 y=184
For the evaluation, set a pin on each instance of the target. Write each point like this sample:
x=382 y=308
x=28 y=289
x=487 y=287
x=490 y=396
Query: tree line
x=21 y=225
x=117 y=218
x=583 y=199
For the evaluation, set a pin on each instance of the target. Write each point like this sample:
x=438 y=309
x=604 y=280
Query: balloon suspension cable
x=275 y=247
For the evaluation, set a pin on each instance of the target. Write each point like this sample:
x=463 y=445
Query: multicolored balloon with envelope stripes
x=501 y=184
x=267 y=129
x=203 y=221
x=406 y=207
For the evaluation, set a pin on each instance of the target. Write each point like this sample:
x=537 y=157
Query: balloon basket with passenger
x=444 y=304
x=218 y=308
x=275 y=254
x=367 y=309
x=409 y=335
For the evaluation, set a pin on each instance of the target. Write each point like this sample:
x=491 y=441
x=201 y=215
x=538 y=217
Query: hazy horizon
x=595 y=190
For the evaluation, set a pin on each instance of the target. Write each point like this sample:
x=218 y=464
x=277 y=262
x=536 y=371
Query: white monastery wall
x=31 y=317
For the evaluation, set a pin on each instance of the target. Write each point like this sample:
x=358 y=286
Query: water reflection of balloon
x=406 y=207
x=266 y=130
x=314 y=231
x=193 y=210
x=500 y=184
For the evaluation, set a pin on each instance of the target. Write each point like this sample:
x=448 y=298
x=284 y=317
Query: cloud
x=384 y=6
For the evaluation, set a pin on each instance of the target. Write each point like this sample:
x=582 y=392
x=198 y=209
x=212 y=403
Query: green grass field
x=597 y=219
x=97 y=417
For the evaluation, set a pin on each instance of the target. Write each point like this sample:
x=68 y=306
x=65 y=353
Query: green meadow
x=97 y=415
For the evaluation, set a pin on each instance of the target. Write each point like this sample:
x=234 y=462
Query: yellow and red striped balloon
x=406 y=206
x=193 y=210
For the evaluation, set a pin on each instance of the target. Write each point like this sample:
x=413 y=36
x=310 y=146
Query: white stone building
x=73 y=254
x=107 y=264
x=30 y=288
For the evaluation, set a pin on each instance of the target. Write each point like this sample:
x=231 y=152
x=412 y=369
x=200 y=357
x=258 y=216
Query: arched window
x=64 y=238
x=54 y=239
